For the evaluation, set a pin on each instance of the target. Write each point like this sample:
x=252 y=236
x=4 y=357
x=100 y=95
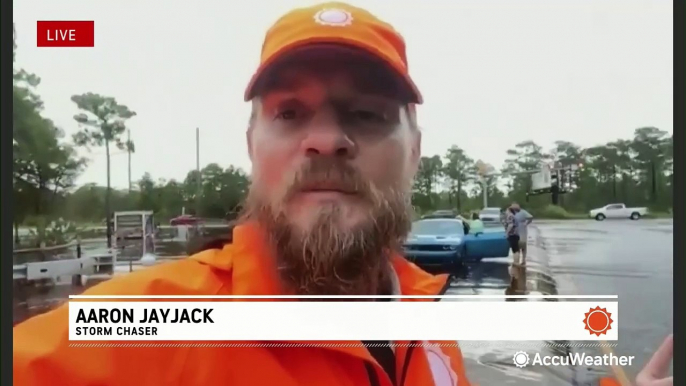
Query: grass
x=656 y=215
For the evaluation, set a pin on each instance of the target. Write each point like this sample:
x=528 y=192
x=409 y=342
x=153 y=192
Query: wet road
x=630 y=259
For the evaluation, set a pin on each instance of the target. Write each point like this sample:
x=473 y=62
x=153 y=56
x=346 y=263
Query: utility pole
x=484 y=184
x=197 y=170
x=128 y=148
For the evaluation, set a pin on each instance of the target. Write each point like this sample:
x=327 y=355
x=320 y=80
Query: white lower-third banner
x=346 y=321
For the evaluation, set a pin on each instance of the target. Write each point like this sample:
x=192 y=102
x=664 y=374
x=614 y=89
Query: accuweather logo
x=598 y=321
x=521 y=359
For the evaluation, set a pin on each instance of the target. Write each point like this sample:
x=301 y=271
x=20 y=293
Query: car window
x=491 y=211
x=614 y=207
x=438 y=228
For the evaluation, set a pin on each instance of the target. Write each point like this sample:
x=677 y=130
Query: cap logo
x=333 y=17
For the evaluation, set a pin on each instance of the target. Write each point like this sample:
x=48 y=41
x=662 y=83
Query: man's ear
x=417 y=145
x=416 y=140
x=416 y=152
x=251 y=127
x=248 y=137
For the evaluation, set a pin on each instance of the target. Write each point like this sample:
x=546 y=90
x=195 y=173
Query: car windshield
x=438 y=228
x=491 y=211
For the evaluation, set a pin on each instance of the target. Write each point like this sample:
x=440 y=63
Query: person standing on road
x=511 y=233
x=522 y=219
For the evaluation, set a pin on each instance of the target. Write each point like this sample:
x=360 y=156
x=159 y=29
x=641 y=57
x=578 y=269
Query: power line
x=197 y=169
x=128 y=150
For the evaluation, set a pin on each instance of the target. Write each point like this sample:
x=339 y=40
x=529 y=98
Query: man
x=511 y=233
x=334 y=144
x=522 y=219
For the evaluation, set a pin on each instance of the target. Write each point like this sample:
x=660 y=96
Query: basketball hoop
x=542 y=179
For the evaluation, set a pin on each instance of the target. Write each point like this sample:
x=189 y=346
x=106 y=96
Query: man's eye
x=287 y=115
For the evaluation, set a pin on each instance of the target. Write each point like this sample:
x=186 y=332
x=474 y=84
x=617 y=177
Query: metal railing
x=57 y=261
x=98 y=263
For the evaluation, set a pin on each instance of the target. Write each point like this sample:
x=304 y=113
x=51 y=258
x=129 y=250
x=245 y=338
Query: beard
x=329 y=258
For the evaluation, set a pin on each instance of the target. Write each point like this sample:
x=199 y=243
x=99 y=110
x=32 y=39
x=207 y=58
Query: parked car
x=441 y=214
x=184 y=219
x=441 y=244
x=452 y=214
x=614 y=211
x=491 y=216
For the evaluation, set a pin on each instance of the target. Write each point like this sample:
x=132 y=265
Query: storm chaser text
x=152 y=315
x=107 y=331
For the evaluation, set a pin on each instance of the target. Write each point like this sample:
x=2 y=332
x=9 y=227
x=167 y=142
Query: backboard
x=541 y=180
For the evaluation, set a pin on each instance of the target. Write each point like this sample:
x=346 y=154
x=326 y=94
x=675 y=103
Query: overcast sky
x=493 y=73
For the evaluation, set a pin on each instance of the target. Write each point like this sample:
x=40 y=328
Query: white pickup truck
x=617 y=211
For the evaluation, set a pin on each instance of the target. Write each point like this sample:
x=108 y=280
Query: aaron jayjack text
x=152 y=315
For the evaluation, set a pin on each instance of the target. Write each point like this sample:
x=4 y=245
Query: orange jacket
x=42 y=354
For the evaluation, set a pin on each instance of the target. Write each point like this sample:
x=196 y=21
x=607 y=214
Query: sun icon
x=598 y=321
x=520 y=359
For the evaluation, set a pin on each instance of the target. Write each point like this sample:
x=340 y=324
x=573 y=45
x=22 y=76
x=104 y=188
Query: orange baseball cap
x=340 y=24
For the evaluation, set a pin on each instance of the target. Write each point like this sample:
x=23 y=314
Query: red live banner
x=77 y=33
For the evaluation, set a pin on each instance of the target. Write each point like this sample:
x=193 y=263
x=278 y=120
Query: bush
x=554 y=212
x=55 y=232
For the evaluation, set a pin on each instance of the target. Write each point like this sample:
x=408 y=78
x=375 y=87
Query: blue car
x=442 y=244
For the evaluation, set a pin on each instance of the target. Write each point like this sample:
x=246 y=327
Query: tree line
x=46 y=165
x=637 y=171
x=213 y=192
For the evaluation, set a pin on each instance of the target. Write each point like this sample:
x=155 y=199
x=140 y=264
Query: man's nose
x=326 y=137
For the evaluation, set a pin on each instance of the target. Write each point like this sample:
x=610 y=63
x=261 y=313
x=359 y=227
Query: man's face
x=333 y=161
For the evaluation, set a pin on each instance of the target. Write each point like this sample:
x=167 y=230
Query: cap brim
x=410 y=92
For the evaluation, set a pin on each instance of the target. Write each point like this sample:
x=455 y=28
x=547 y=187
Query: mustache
x=329 y=174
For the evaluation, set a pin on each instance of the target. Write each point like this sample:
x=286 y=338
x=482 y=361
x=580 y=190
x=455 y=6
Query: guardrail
x=87 y=265
x=95 y=264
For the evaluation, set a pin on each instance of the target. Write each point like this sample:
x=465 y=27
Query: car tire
x=600 y=217
x=635 y=216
